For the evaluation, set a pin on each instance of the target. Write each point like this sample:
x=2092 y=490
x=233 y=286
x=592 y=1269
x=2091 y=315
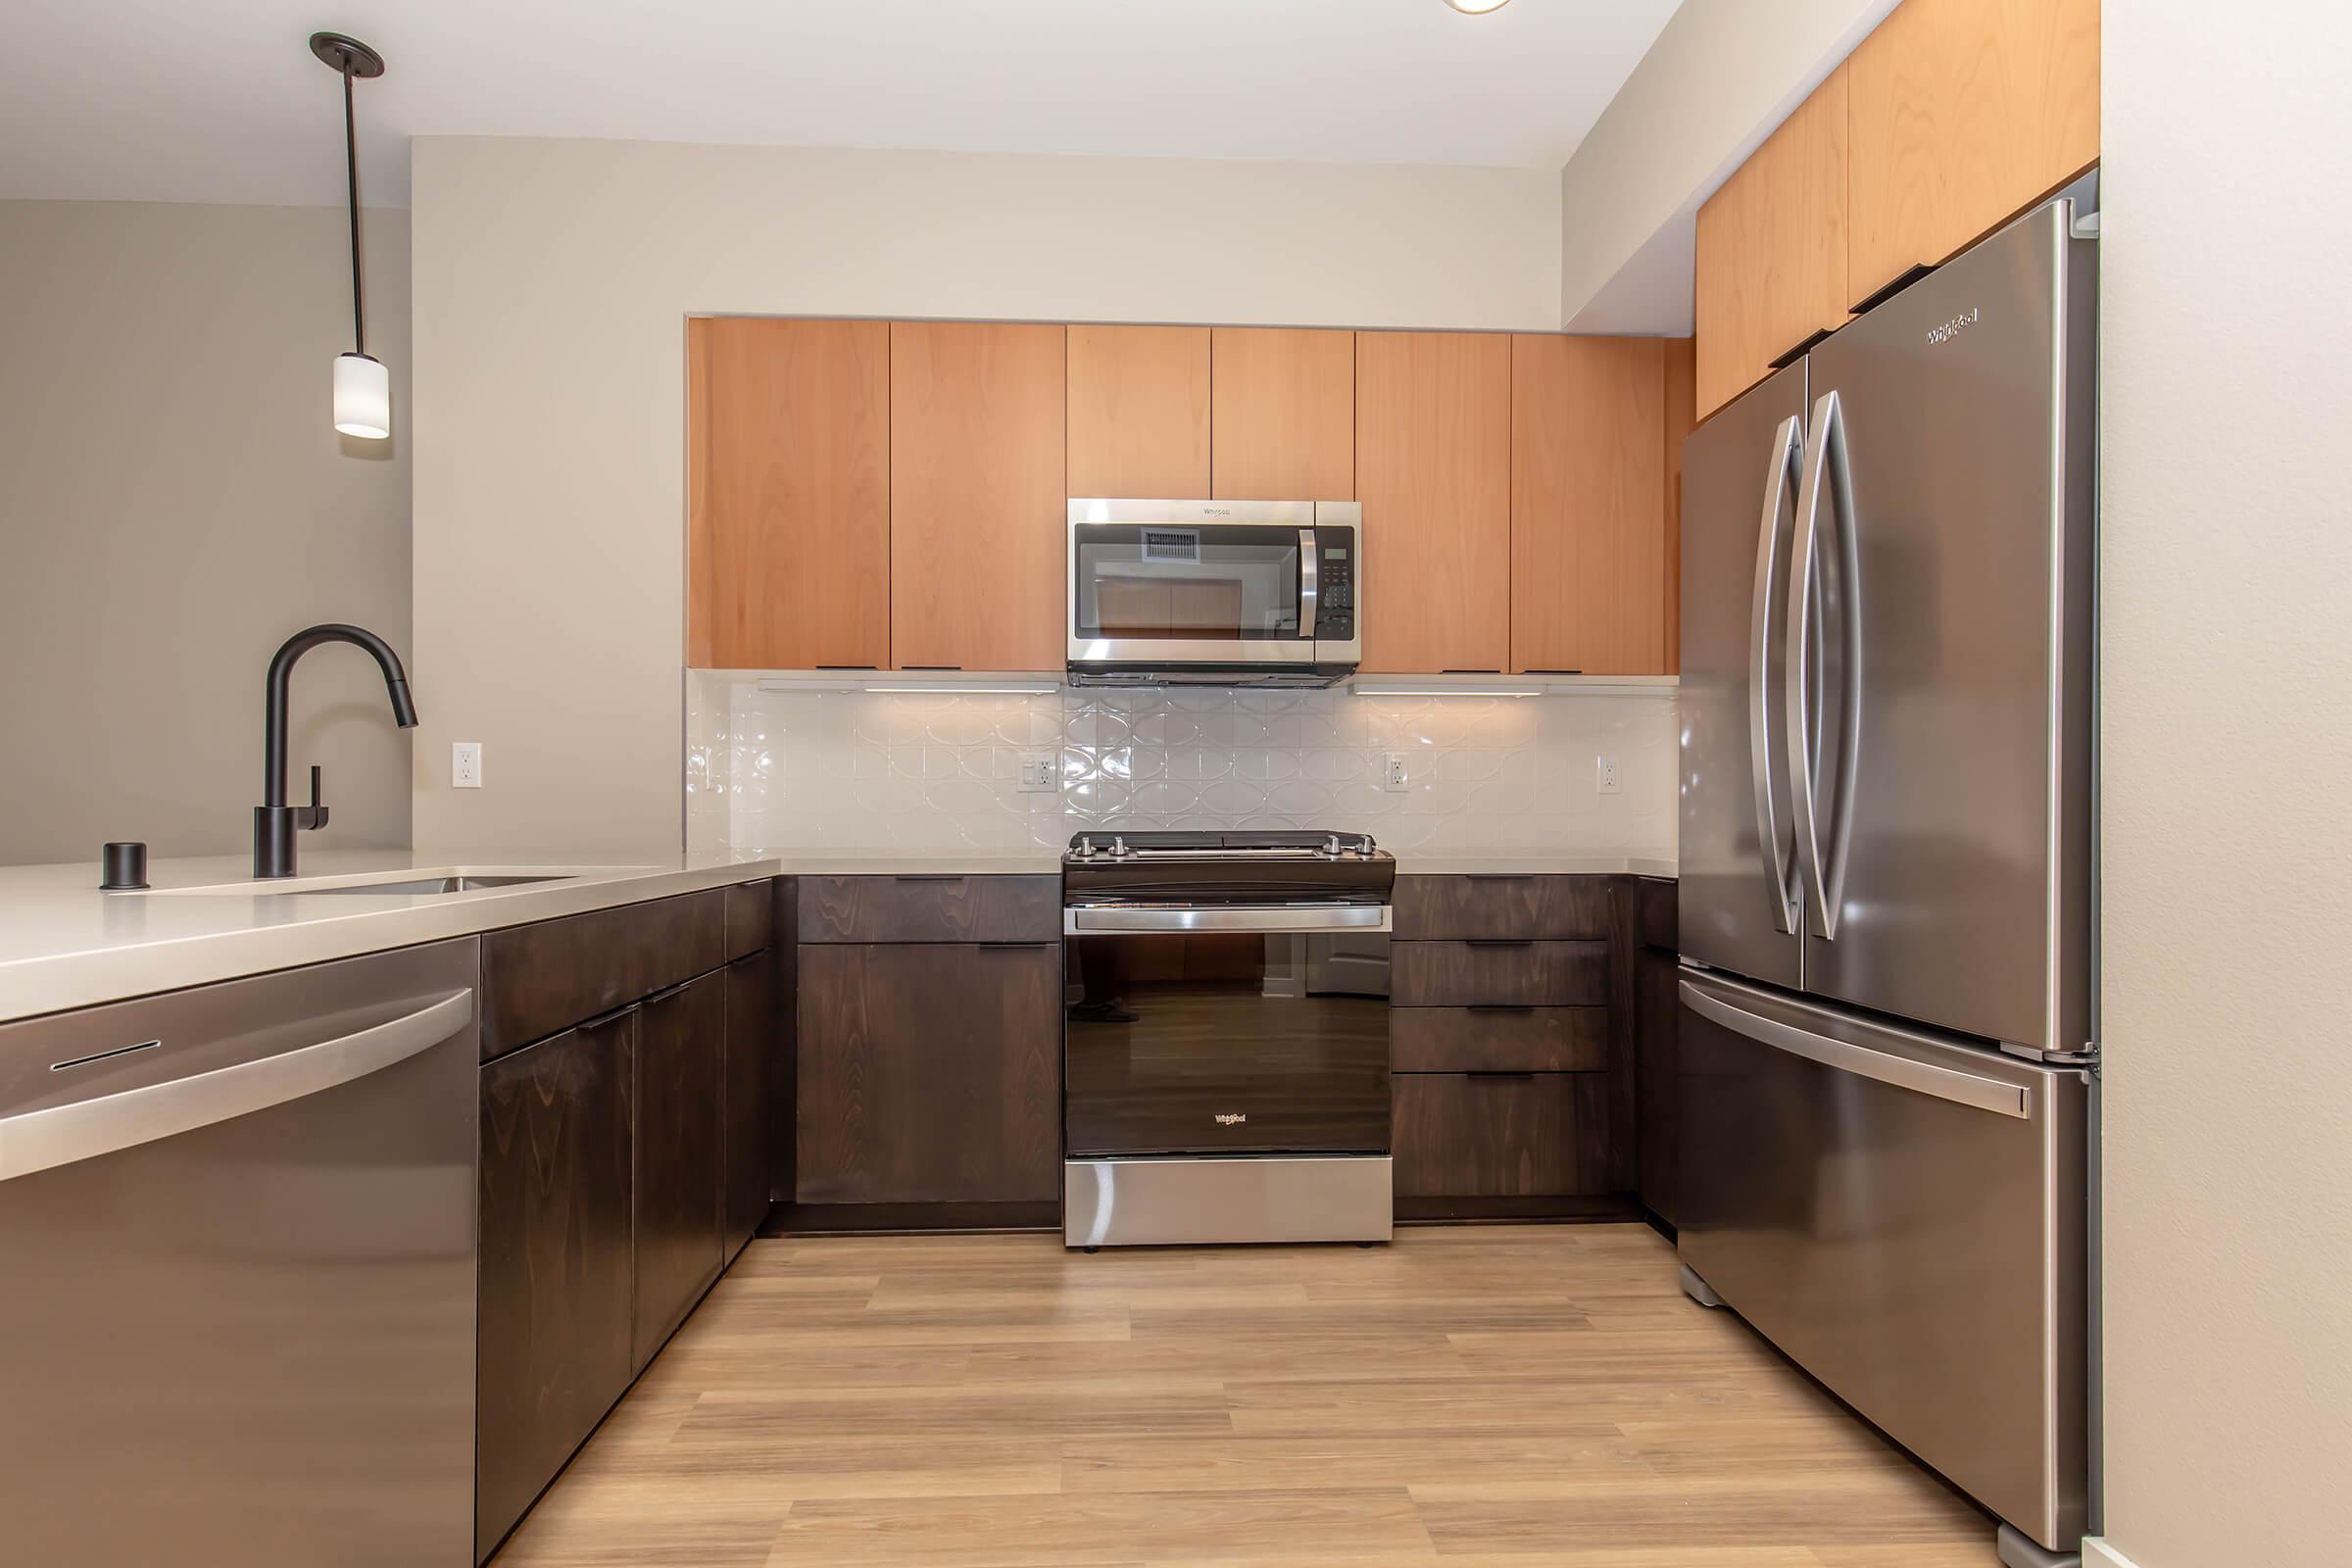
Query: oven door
x=1174 y=583
x=1232 y=1031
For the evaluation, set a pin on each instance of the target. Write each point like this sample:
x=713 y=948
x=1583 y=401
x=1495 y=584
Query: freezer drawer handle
x=1921 y=1077
x=1344 y=918
x=41 y=1139
x=1787 y=450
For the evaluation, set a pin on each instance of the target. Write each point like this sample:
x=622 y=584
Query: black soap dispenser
x=122 y=868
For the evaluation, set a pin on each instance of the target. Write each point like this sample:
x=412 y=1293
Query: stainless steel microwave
x=1214 y=592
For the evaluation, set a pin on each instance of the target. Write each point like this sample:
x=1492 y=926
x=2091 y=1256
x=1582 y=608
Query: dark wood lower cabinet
x=1658 y=1063
x=928 y=1073
x=1502 y=1134
x=746 y=1138
x=554 y=1281
x=680 y=1055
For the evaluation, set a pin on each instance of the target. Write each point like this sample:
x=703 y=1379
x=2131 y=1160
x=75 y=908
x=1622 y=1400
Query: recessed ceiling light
x=1476 y=8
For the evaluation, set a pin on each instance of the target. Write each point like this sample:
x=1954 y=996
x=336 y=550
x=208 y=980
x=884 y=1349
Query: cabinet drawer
x=1499 y=1039
x=930 y=908
x=540 y=978
x=1656 y=913
x=1522 y=1135
x=751 y=917
x=1510 y=974
x=1545 y=908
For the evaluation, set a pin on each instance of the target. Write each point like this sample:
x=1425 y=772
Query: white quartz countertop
x=1505 y=862
x=64 y=944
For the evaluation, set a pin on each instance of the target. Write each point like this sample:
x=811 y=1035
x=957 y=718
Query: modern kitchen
x=1537 y=783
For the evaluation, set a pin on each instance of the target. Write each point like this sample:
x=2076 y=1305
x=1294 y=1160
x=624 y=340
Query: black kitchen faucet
x=274 y=822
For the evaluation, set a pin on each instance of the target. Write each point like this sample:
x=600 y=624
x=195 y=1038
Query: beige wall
x=2227 y=645
x=172 y=504
x=552 y=284
x=1721 y=77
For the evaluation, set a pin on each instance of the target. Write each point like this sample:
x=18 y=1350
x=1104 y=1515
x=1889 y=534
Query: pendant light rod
x=350 y=171
x=352 y=60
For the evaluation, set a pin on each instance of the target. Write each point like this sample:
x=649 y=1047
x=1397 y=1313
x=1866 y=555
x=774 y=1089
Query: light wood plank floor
x=1479 y=1396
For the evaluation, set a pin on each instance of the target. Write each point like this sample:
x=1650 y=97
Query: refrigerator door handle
x=1787 y=451
x=1884 y=1066
x=1826 y=467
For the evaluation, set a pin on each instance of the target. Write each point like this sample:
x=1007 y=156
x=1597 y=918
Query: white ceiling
x=221 y=100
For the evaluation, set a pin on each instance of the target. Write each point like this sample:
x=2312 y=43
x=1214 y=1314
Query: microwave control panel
x=1335 y=584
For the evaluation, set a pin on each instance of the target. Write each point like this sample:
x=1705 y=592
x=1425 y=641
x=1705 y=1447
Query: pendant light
x=363 y=386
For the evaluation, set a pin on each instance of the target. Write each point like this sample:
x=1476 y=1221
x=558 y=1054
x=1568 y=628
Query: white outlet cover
x=1041 y=773
x=1604 y=775
x=1394 y=775
x=465 y=765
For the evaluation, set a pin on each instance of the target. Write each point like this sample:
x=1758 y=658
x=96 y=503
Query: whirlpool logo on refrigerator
x=1232 y=1119
x=1938 y=336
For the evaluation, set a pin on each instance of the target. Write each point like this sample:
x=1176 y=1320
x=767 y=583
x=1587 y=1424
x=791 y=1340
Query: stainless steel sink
x=435 y=884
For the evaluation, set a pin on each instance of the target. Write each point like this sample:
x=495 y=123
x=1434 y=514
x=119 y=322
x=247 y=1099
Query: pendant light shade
x=363 y=386
x=362 y=396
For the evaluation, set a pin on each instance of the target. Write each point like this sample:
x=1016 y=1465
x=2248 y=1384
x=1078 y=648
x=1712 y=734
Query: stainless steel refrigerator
x=1886 y=922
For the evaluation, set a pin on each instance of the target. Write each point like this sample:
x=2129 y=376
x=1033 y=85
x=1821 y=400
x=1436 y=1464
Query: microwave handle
x=1308 y=583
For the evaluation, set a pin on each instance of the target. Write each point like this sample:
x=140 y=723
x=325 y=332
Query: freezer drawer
x=1905 y=1215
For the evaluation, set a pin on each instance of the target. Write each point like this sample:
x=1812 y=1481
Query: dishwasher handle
x=60 y=1135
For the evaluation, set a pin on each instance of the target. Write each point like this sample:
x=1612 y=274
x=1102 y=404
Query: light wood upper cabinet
x=1964 y=113
x=976 y=498
x=1139 y=412
x=1681 y=418
x=1433 y=469
x=1283 y=414
x=788 y=532
x=1588 y=574
x=1772 y=249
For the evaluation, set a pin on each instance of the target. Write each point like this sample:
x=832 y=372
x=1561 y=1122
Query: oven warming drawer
x=1176 y=1202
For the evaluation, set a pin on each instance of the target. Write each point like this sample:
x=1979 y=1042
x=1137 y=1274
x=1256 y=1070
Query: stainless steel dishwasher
x=237 y=1312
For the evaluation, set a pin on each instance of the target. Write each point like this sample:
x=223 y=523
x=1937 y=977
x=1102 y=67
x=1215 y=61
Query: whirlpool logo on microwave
x=1938 y=336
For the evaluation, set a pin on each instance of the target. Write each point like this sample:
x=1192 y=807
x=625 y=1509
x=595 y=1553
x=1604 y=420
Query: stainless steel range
x=1226 y=1038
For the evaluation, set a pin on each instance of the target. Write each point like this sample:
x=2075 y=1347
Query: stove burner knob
x=1118 y=848
x=1330 y=847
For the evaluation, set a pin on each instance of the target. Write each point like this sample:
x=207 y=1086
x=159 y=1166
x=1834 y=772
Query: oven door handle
x=1285 y=920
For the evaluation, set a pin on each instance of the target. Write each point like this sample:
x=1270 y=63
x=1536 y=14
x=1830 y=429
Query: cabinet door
x=1139 y=412
x=929 y=1073
x=679 y=1055
x=1772 y=250
x=789 y=480
x=1589 y=583
x=1965 y=113
x=1283 y=414
x=749 y=1138
x=977 y=504
x=552 y=1286
x=1681 y=418
x=1433 y=469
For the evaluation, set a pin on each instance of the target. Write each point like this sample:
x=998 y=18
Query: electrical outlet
x=1039 y=773
x=465 y=765
x=1391 y=774
x=1604 y=776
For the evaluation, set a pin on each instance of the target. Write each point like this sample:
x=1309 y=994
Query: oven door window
x=1227 y=1043
x=1178 y=583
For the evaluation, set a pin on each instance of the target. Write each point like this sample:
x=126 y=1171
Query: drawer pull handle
x=1506 y=1076
x=1499 y=942
x=1012 y=947
x=924 y=876
x=1502 y=1007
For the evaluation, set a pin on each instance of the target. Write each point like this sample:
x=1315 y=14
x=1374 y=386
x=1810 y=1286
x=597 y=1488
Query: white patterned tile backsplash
x=770 y=771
